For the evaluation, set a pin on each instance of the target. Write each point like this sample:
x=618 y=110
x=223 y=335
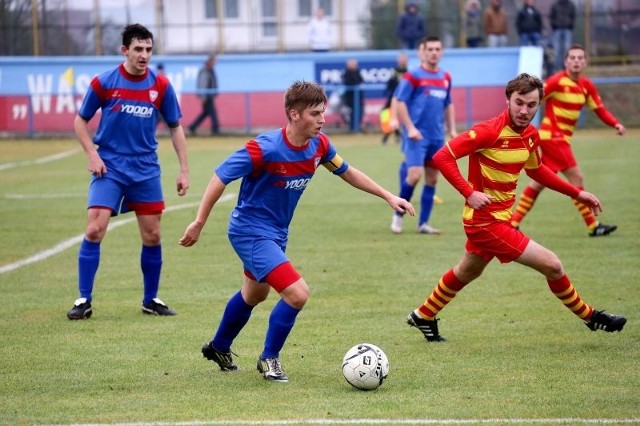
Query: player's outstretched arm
x=358 y=179
x=546 y=177
x=211 y=195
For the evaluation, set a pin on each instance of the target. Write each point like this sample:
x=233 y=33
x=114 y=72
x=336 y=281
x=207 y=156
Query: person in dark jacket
x=410 y=27
x=207 y=85
x=473 y=26
x=529 y=24
x=353 y=96
x=562 y=19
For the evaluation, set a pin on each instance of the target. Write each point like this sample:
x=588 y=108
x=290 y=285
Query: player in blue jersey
x=123 y=162
x=423 y=107
x=275 y=169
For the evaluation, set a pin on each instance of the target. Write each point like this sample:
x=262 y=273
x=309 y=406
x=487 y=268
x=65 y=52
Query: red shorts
x=557 y=155
x=498 y=239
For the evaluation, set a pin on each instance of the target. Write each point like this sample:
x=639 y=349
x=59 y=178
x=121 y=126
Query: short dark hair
x=575 y=46
x=135 y=32
x=303 y=94
x=525 y=83
x=428 y=39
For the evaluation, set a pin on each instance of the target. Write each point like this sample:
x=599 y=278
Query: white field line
x=41 y=160
x=64 y=245
x=552 y=421
x=52 y=195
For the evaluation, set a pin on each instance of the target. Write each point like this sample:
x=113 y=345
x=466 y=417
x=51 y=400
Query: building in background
x=608 y=29
x=258 y=26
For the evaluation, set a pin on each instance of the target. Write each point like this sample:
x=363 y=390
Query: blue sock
x=234 y=318
x=402 y=173
x=406 y=190
x=88 y=261
x=281 y=321
x=426 y=203
x=151 y=265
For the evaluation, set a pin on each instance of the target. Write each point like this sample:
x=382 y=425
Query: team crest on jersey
x=153 y=95
x=316 y=162
x=530 y=142
x=472 y=134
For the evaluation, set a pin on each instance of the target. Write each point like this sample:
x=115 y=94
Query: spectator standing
x=320 y=33
x=529 y=24
x=410 y=27
x=495 y=24
x=207 y=85
x=399 y=71
x=353 y=95
x=473 y=23
x=562 y=19
x=123 y=161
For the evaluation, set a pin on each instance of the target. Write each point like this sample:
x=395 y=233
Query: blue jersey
x=427 y=94
x=274 y=174
x=130 y=105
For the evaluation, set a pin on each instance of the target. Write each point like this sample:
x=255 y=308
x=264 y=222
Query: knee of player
x=257 y=297
x=151 y=237
x=553 y=268
x=297 y=294
x=95 y=232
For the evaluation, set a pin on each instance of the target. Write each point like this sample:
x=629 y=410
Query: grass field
x=514 y=354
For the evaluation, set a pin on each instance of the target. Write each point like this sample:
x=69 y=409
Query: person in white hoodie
x=320 y=33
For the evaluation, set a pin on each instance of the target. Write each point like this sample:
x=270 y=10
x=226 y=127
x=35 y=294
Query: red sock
x=447 y=288
x=563 y=290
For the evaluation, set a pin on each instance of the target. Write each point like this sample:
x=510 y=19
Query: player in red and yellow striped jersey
x=566 y=93
x=498 y=150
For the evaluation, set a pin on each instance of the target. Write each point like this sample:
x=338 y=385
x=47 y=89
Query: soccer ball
x=365 y=366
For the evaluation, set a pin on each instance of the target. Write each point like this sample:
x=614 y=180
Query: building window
x=230 y=9
x=269 y=24
x=210 y=9
x=306 y=8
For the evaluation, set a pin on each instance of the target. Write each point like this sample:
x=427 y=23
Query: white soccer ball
x=365 y=366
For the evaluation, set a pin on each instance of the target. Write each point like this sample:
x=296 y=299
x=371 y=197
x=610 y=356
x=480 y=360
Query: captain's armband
x=336 y=165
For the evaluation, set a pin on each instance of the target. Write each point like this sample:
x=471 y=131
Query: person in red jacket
x=566 y=93
x=498 y=150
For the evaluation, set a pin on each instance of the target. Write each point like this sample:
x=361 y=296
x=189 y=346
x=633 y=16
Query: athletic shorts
x=498 y=239
x=259 y=256
x=557 y=155
x=420 y=153
x=132 y=183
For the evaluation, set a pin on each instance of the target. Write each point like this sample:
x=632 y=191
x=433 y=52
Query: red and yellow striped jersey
x=497 y=155
x=564 y=99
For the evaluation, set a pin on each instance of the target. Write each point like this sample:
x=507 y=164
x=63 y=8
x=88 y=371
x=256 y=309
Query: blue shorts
x=418 y=153
x=131 y=183
x=259 y=256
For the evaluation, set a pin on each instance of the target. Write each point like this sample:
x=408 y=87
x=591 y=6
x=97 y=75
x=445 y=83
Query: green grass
x=514 y=353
